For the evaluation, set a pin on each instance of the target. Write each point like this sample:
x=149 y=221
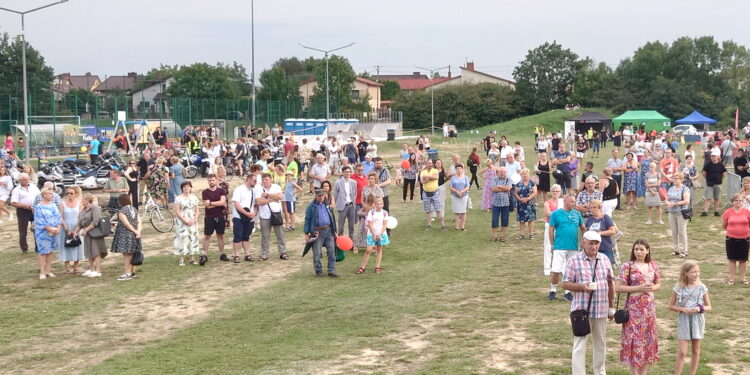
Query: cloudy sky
x=109 y=37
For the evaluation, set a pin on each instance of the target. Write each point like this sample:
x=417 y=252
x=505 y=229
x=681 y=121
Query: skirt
x=737 y=249
x=459 y=205
x=652 y=199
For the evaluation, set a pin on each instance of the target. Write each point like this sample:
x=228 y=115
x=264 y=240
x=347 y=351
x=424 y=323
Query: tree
x=389 y=90
x=341 y=77
x=276 y=84
x=39 y=75
x=202 y=80
x=545 y=77
x=81 y=101
x=155 y=74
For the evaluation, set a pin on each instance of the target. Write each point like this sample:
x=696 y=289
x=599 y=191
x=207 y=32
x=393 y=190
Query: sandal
x=235 y=259
x=182 y=263
x=249 y=258
x=531 y=236
x=519 y=237
x=262 y=259
x=493 y=239
x=378 y=270
x=284 y=256
x=502 y=239
x=360 y=270
x=744 y=282
x=730 y=282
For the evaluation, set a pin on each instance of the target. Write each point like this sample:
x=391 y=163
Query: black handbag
x=622 y=316
x=102 y=229
x=579 y=319
x=137 y=258
x=276 y=218
x=687 y=213
x=71 y=241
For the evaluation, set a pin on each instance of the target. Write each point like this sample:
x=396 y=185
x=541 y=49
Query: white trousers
x=608 y=206
x=598 y=336
x=547 y=251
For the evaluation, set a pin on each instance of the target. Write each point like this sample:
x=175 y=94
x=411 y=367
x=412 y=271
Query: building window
x=355 y=94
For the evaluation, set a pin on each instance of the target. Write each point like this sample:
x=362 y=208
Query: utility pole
x=432 y=94
x=328 y=103
x=252 y=59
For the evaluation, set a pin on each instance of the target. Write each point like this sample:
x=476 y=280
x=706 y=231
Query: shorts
x=712 y=192
x=560 y=259
x=500 y=216
x=290 y=205
x=241 y=231
x=4 y=197
x=737 y=249
x=579 y=155
x=214 y=224
x=384 y=241
x=433 y=203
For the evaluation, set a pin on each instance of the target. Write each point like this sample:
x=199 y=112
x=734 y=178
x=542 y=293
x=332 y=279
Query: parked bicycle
x=159 y=216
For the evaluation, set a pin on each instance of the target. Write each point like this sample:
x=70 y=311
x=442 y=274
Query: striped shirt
x=579 y=270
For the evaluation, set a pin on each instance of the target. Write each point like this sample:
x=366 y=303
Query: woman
x=158 y=182
x=553 y=203
x=488 y=174
x=6 y=186
x=372 y=188
x=736 y=221
x=640 y=279
x=127 y=239
x=176 y=178
x=494 y=153
x=32 y=174
x=689 y=151
x=525 y=192
x=71 y=209
x=653 y=200
x=603 y=224
x=9 y=142
x=631 y=177
x=21 y=148
x=410 y=177
x=93 y=248
x=645 y=164
x=574 y=165
x=678 y=198
x=47 y=228
x=610 y=191
x=132 y=175
x=360 y=237
x=581 y=147
x=328 y=189
x=186 y=237
x=294 y=164
x=542 y=171
x=473 y=166
x=459 y=186
x=691 y=175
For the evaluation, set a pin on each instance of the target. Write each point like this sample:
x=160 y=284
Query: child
x=291 y=189
x=399 y=176
x=376 y=235
x=690 y=299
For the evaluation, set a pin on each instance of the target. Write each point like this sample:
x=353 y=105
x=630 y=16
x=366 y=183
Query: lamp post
x=26 y=129
x=252 y=53
x=432 y=95
x=328 y=104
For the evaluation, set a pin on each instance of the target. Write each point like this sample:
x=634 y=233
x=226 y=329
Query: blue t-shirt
x=563 y=167
x=94 y=147
x=289 y=192
x=599 y=225
x=459 y=183
x=566 y=224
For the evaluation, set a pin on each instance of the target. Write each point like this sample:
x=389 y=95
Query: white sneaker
x=87 y=273
x=11 y=217
x=649 y=222
x=96 y=274
x=1 y=221
x=661 y=222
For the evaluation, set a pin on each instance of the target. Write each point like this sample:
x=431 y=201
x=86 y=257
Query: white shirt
x=264 y=211
x=315 y=145
x=377 y=219
x=246 y=198
x=321 y=171
x=505 y=151
x=6 y=187
x=372 y=151
x=348 y=190
x=26 y=195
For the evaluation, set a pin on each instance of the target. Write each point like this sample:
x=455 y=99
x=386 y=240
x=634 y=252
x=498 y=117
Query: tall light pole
x=328 y=103
x=252 y=48
x=26 y=129
x=432 y=95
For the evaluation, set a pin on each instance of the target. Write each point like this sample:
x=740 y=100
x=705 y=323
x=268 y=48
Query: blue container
x=289 y=125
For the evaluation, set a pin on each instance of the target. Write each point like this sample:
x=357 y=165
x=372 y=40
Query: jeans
x=501 y=213
x=598 y=335
x=325 y=238
x=348 y=213
x=265 y=239
x=409 y=184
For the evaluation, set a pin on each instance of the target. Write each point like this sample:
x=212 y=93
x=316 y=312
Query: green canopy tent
x=648 y=120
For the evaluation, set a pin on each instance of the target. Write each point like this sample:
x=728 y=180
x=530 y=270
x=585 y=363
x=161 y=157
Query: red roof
x=368 y=82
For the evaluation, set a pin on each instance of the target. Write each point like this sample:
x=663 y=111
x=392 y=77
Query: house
x=152 y=99
x=114 y=84
x=63 y=83
x=470 y=76
x=412 y=82
x=361 y=88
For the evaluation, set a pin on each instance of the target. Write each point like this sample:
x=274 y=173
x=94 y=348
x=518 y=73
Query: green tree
x=389 y=90
x=340 y=78
x=544 y=79
x=202 y=80
x=39 y=75
x=155 y=74
x=80 y=101
x=276 y=84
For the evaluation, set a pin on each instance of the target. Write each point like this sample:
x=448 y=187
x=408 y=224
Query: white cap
x=715 y=153
x=592 y=236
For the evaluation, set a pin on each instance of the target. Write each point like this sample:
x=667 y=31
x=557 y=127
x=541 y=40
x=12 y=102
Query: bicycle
x=233 y=167
x=159 y=216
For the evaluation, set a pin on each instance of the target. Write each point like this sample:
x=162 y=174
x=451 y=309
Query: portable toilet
x=289 y=125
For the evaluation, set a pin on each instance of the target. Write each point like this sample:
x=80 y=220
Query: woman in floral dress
x=158 y=182
x=645 y=165
x=47 y=228
x=525 y=192
x=631 y=180
x=186 y=241
x=640 y=279
x=127 y=239
x=488 y=174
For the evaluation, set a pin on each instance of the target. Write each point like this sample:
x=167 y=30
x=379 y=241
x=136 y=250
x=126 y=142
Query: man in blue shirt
x=368 y=164
x=94 y=149
x=564 y=225
x=320 y=230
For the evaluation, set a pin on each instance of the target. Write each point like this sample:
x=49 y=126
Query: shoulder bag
x=687 y=210
x=579 y=319
x=622 y=316
x=276 y=217
x=137 y=258
x=102 y=229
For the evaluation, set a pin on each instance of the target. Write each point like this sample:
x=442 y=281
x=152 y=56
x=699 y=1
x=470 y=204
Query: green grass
x=446 y=303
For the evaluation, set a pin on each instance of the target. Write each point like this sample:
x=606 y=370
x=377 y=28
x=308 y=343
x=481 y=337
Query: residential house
x=63 y=83
x=114 y=84
x=470 y=76
x=152 y=99
x=412 y=82
x=361 y=88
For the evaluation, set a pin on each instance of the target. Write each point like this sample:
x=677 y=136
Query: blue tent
x=695 y=118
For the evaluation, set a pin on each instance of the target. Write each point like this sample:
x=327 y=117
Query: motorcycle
x=52 y=171
x=194 y=163
x=90 y=176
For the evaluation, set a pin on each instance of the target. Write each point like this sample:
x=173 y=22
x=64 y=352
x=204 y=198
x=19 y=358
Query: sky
x=114 y=37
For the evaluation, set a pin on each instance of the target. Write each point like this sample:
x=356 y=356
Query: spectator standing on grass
x=639 y=278
x=736 y=221
x=127 y=238
x=384 y=179
x=215 y=201
x=525 y=192
x=602 y=224
x=319 y=172
x=459 y=186
x=70 y=209
x=244 y=209
x=268 y=199
x=176 y=178
x=689 y=299
x=589 y=276
x=608 y=187
x=22 y=198
x=653 y=200
x=561 y=159
x=588 y=194
x=714 y=173
x=488 y=174
x=500 y=203
x=410 y=177
x=377 y=237
x=47 y=228
x=94 y=148
x=678 y=198
x=432 y=202
x=6 y=187
x=645 y=167
x=158 y=182
x=93 y=248
x=345 y=196
x=320 y=231
x=115 y=186
x=289 y=201
x=667 y=167
x=555 y=201
x=360 y=178
x=186 y=241
x=618 y=166
x=564 y=224
x=473 y=162
x=542 y=171
x=630 y=184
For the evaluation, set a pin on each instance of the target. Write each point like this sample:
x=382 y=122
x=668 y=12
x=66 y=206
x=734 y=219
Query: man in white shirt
x=269 y=202
x=344 y=196
x=372 y=149
x=315 y=145
x=244 y=209
x=22 y=198
x=505 y=150
x=319 y=172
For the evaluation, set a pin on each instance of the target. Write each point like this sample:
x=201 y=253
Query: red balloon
x=344 y=243
x=405 y=164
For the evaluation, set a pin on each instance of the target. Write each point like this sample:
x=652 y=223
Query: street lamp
x=432 y=94
x=26 y=128
x=328 y=104
x=252 y=53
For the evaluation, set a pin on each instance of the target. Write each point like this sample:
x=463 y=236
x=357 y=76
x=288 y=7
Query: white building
x=152 y=99
x=470 y=76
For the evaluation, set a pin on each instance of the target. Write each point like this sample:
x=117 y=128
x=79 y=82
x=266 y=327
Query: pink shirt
x=738 y=223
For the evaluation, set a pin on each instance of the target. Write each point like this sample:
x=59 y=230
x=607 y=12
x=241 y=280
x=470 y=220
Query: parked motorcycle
x=193 y=164
x=52 y=171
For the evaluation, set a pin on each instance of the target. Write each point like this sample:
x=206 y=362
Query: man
x=714 y=173
x=451 y=170
x=350 y=151
x=617 y=166
x=588 y=171
x=740 y=164
x=115 y=186
x=215 y=201
x=727 y=148
x=512 y=166
x=145 y=164
x=384 y=179
x=360 y=178
x=160 y=136
x=368 y=164
x=589 y=275
x=319 y=230
x=269 y=201
x=372 y=149
x=194 y=146
x=555 y=143
x=345 y=196
x=564 y=224
x=121 y=142
x=94 y=149
x=22 y=198
x=362 y=149
x=505 y=150
x=445 y=133
x=586 y=195
x=501 y=187
x=431 y=199
x=244 y=209
x=488 y=141
x=319 y=172
x=561 y=159
x=288 y=147
x=667 y=166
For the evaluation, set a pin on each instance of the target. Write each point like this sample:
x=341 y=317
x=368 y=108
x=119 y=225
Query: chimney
x=88 y=74
x=470 y=66
x=132 y=74
x=64 y=76
x=449 y=72
x=417 y=74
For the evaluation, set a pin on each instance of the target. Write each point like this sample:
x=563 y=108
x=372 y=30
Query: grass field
x=446 y=303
